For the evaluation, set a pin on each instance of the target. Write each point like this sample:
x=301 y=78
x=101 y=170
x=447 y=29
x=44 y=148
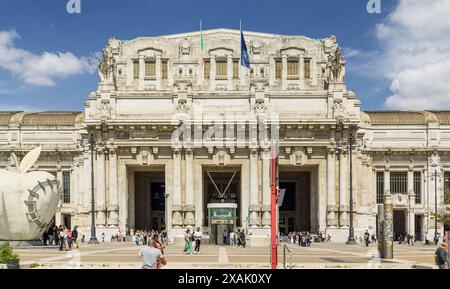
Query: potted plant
x=9 y=257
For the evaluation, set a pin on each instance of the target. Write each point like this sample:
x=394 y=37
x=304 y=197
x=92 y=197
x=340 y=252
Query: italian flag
x=202 y=47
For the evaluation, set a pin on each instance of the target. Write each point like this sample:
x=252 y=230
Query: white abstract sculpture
x=28 y=200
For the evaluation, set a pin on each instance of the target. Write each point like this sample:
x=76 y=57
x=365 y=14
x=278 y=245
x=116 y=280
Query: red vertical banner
x=273 y=213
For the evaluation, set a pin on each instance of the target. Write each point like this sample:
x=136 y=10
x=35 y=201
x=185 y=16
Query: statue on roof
x=336 y=66
x=107 y=68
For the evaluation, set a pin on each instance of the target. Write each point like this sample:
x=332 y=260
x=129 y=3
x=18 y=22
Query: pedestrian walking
x=441 y=256
x=367 y=238
x=232 y=235
x=198 y=240
x=188 y=242
x=242 y=238
x=75 y=237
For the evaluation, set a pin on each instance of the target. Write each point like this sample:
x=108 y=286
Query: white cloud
x=416 y=54
x=40 y=69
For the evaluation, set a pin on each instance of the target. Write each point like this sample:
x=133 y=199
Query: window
x=135 y=69
x=236 y=69
x=307 y=68
x=292 y=68
x=150 y=68
x=66 y=187
x=380 y=187
x=164 y=69
x=207 y=68
x=418 y=187
x=221 y=69
x=278 y=68
x=399 y=182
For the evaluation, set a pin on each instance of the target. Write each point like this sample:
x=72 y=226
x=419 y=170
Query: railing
x=286 y=248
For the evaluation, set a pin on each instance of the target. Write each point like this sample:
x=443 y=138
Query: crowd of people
x=303 y=239
x=142 y=237
x=232 y=238
x=65 y=238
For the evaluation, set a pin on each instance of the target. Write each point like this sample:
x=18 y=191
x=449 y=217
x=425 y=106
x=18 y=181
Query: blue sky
x=45 y=26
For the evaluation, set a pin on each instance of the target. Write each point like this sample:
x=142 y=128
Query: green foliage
x=34 y=265
x=7 y=253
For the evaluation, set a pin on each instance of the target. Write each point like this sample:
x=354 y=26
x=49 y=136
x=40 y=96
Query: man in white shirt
x=151 y=256
x=198 y=240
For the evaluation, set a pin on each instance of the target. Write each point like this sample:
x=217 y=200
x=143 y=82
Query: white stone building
x=214 y=171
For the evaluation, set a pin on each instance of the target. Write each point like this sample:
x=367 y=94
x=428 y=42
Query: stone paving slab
x=125 y=255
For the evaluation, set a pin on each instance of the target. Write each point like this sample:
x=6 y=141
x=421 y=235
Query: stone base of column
x=177 y=219
x=189 y=219
x=331 y=216
x=265 y=220
x=338 y=235
x=113 y=215
x=254 y=220
x=259 y=237
x=101 y=218
x=344 y=220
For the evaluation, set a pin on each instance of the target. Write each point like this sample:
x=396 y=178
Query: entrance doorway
x=295 y=211
x=399 y=224
x=222 y=199
x=150 y=201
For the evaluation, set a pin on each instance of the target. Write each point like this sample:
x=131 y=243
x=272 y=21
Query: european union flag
x=245 y=61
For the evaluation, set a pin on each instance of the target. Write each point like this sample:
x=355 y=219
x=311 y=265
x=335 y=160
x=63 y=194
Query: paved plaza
x=320 y=256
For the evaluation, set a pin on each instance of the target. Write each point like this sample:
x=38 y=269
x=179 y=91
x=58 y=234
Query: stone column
x=284 y=71
x=331 y=186
x=177 y=209
x=387 y=182
x=141 y=71
x=301 y=72
x=411 y=201
x=313 y=71
x=113 y=199
x=100 y=196
x=189 y=218
x=254 y=200
x=230 y=67
x=343 y=191
x=411 y=216
x=158 y=71
x=266 y=198
x=212 y=73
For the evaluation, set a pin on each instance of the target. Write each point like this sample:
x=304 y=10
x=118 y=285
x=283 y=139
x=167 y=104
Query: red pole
x=273 y=223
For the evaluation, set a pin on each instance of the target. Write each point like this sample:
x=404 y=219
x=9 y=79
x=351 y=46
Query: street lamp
x=351 y=230
x=93 y=239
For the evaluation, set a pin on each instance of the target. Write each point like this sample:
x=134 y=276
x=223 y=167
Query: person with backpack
x=441 y=256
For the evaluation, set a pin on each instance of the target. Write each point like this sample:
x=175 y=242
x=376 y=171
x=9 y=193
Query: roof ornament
x=107 y=68
x=336 y=66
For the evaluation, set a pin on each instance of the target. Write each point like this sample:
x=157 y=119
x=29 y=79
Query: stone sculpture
x=28 y=200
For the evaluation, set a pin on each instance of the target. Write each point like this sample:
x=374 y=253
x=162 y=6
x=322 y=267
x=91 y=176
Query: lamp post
x=93 y=239
x=351 y=230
